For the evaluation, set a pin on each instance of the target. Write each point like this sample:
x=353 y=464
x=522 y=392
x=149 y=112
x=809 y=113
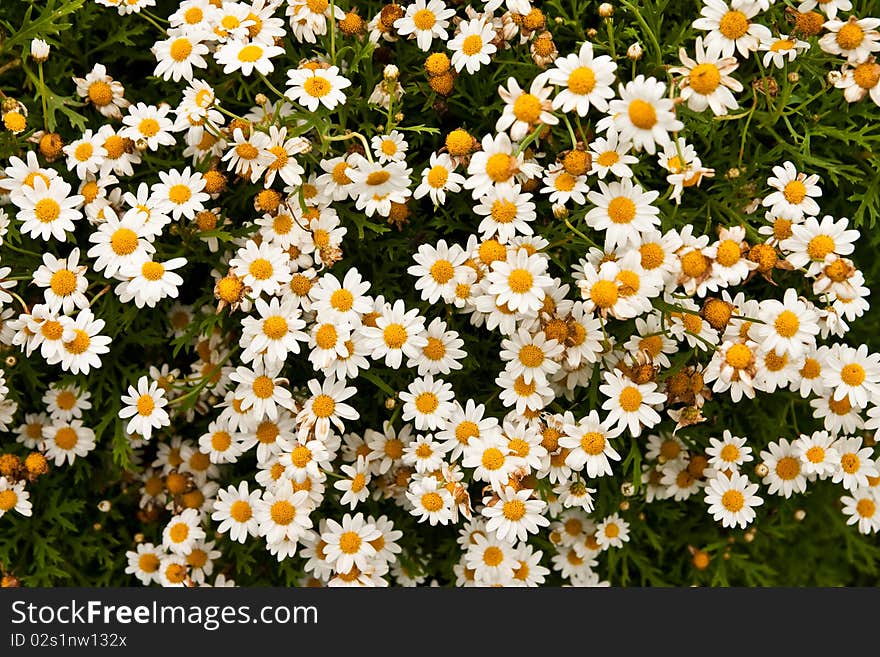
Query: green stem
x=272 y=86
x=651 y=36
x=43 y=97
x=609 y=24
x=570 y=130
x=379 y=383
x=579 y=233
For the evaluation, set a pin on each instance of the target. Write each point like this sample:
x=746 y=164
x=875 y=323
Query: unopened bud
x=834 y=77
x=634 y=52
x=391 y=72
x=261 y=99
x=793 y=77
x=627 y=489
x=104 y=506
x=39 y=50
x=606 y=10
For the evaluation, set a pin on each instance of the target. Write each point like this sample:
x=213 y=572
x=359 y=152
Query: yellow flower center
x=593 y=443
x=820 y=246
x=66 y=438
x=621 y=210
x=642 y=114
x=472 y=45
x=867 y=75
x=531 y=356
x=179 y=194
x=787 y=324
x=503 y=211
x=492 y=459
x=442 y=271
x=152 y=271
x=728 y=253
x=437 y=176
x=424 y=19
x=63 y=282
x=527 y=108
x=100 y=93
x=499 y=167
x=581 y=81
x=866 y=507
x=852 y=374
x=145 y=405
x=261 y=269
x=179 y=532
x=850 y=463
x=788 y=468
x=565 y=182
x=794 y=192
x=523 y=389
x=604 y=293
x=520 y=281
x=704 y=78
x=514 y=510
x=465 y=431
x=781 y=45
x=8 y=500
x=378 y=178
x=733 y=500
x=427 y=403
x=733 y=25
x=148 y=127
x=250 y=53
x=180 y=49
x=395 y=336
x=317 y=87
x=221 y=441
x=80 y=342
x=738 y=356
x=47 y=210
x=323 y=406
x=350 y=542
x=694 y=263
x=263 y=387
x=850 y=36
x=282 y=512
x=432 y=502
x=630 y=399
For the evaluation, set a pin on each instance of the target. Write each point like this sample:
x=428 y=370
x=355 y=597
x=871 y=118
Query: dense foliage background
x=69 y=541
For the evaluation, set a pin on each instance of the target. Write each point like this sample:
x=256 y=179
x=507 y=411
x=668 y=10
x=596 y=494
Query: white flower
x=311 y=88
x=732 y=499
x=523 y=110
x=793 y=198
x=177 y=55
x=234 y=510
x=46 y=210
x=588 y=442
x=325 y=407
x=643 y=115
x=630 y=404
x=586 y=80
x=514 y=515
x=706 y=81
x=425 y=20
x=427 y=402
x=182 y=531
x=237 y=55
x=472 y=46
x=145 y=405
x=520 y=281
x=283 y=515
x=13 y=497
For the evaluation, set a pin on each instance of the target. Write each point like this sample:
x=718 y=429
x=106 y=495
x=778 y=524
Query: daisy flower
x=812 y=241
x=173 y=570
x=789 y=327
x=785 y=474
x=442 y=352
x=439 y=270
x=438 y=178
x=13 y=497
x=492 y=459
x=275 y=333
x=47 y=210
x=586 y=80
x=149 y=124
x=514 y=515
x=376 y=186
x=862 y=508
x=182 y=531
x=523 y=110
x=248 y=156
x=66 y=402
x=496 y=163
x=234 y=510
x=781 y=49
x=263 y=268
x=397 y=333
x=319 y=86
x=354 y=484
x=731 y=27
x=349 y=543
x=386 y=448
x=180 y=193
x=589 y=445
x=389 y=148
x=64 y=282
x=284 y=150
x=102 y=91
x=793 y=198
x=430 y=501
x=852 y=373
x=219 y=444
x=85 y=155
x=325 y=407
x=624 y=211
x=472 y=46
x=64 y=441
x=427 y=402
x=81 y=351
x=150 y=281
x=262 y=392
x=729 y=453
x=235 y=55
x=520 y=281
x=828 y=7
x=610 y=154
x=612 y=531
x=860 y=81
x=143 y=563
x=643 y=115
x=465 y=424
x=732 y=499
x=706 y=81
x=507 y=212
x=854 y=38
x=145 y=405
x=531 y=356
x=562 y=187
x=425 y=21
x=493 y=560
x=855 y=464
x=630 y=404
x=283 y=515
x=177 y=55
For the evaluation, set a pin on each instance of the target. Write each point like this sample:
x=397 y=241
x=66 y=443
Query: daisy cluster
x=601 y=370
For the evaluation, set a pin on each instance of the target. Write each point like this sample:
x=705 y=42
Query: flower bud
x=606 y=10
x=391 y=72
x=39 y=50
x=634 y=52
